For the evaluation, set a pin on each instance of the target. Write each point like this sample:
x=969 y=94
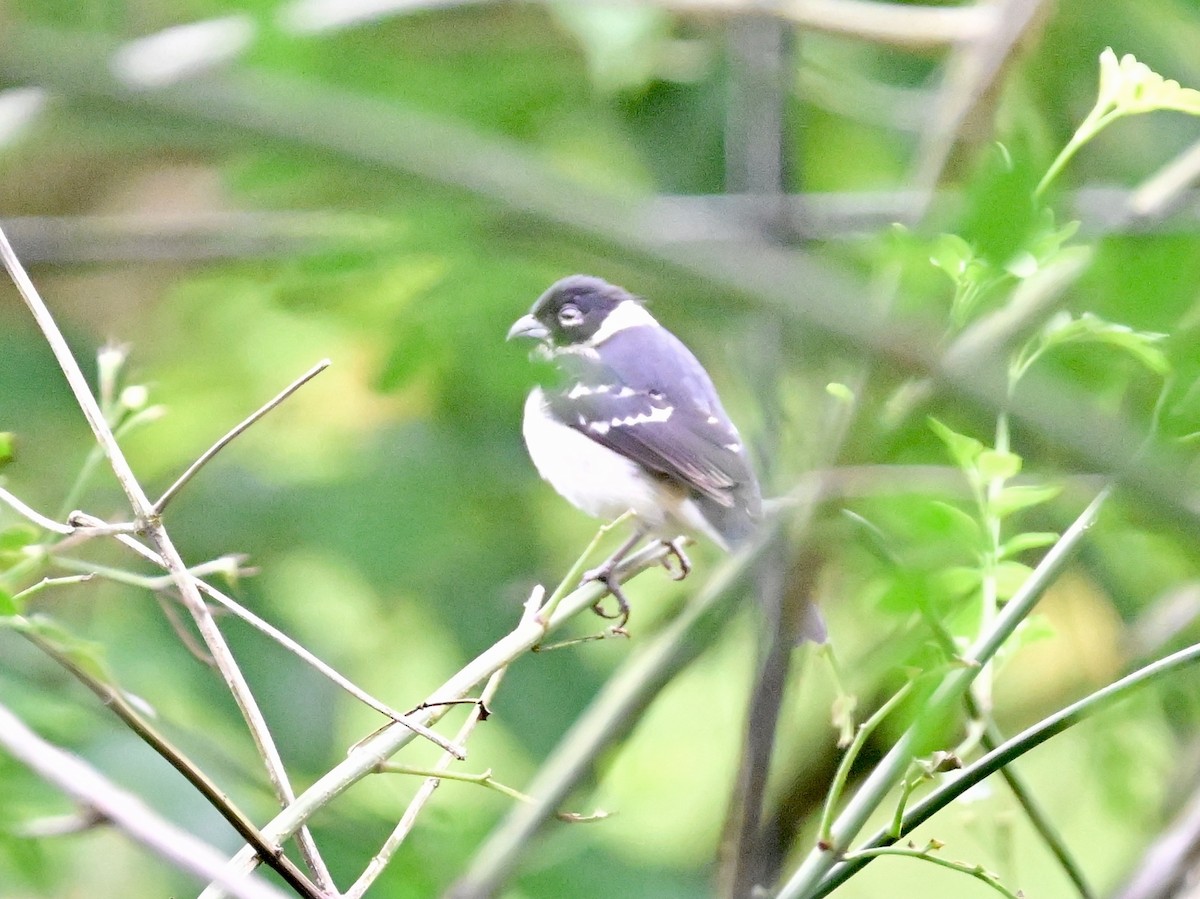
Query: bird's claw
x=675 y=551
x=604 y=575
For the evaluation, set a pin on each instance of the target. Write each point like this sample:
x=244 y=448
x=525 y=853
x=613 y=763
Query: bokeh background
x=234 y=191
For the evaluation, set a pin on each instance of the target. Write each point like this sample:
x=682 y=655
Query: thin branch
x=235 y=432
x=81 y=821
x=114 y=699
x=84 y=784
x=122 y=238
x=609 y=716
x=144 y=512
x=888 y=771
x=425 y=791
x=1008 y=752
x=972 y=74
x=1163 y=191
x=382 y=745
x=927 y=855
x=861 y=734
x=46 y=524
x=54 y=582
x=292 y=646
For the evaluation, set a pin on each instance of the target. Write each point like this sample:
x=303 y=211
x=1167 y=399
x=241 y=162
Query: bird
x=635 y=425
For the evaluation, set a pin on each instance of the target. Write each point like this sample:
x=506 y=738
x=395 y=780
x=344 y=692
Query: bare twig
x=47 y=524
x=606 y=719
x=426 y=790
x=115 y=700
x=971 y=76
x=1166 y=188
x=81 y=821
x=88 y=239
x=285 y=641
x=367 y=756
x=896 y=24
x=234 y=432
x=74 y=777
x=143 y=511
x=887 y=772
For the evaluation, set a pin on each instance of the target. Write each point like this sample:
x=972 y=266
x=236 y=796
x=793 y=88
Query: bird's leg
x=675 y=550
x=604 y=574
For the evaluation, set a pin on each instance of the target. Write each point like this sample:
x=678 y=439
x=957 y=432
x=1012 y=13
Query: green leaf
x=1049 y=239
x=17 y=537
x=952 y=255
x=963 y=449
x=1089 y=328
x=8 y=604
x=1023 y=265
x=958 y=581
x=1031 y=630
x=1027 y=541
x=1062 y=330
x=840 y=391
x=7 y=447
x=1010 y=576
x=1015 y=498
x=961 y=519
x=993 y=464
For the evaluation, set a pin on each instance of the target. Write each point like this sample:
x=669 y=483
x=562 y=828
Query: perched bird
x=636 y=425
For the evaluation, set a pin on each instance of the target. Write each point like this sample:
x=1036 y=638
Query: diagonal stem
x=367 y=755
x=234 y=432
x=816 y=866
x=425 y=792
x=144 y=512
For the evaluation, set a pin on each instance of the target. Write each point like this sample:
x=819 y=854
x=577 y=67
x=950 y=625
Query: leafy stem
x=1127 y=87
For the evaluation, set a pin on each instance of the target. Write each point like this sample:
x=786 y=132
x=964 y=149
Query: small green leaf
x=952 y=255
x=1031 y=630
x=963 y=449
x=1023 y=265
x=1027 y=541
x=961 y=519
x=994 y=464
x=1015 y=498
x=1062 y=330
x=7 y=447
x=8 y=605
x=17 y=537
x=1049 y=239
x=1010 y=577
x=842 y=717
x=1089 y=328
x=840 y=392
x=958 y=581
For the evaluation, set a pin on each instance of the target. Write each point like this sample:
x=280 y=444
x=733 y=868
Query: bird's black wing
x=675 y=438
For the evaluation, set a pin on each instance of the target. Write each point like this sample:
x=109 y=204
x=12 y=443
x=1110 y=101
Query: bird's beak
x=528 y=326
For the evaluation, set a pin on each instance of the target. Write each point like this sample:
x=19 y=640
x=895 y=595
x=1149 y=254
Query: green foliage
x=1064 y=329
x=394 y=517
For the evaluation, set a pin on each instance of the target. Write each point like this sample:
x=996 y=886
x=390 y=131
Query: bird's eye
x=569 y=315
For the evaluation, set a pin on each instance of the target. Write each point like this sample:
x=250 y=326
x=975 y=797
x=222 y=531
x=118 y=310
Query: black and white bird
x=636 y=426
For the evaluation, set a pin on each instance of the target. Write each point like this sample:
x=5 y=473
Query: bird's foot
x=683 y=565
x=604 y=575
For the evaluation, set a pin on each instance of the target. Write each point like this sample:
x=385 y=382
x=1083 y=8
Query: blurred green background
x=240 y=200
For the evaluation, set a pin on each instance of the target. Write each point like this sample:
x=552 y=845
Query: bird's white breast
x=590 y=476
x=604 y=483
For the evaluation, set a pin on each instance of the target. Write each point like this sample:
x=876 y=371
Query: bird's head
x=580 y=311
